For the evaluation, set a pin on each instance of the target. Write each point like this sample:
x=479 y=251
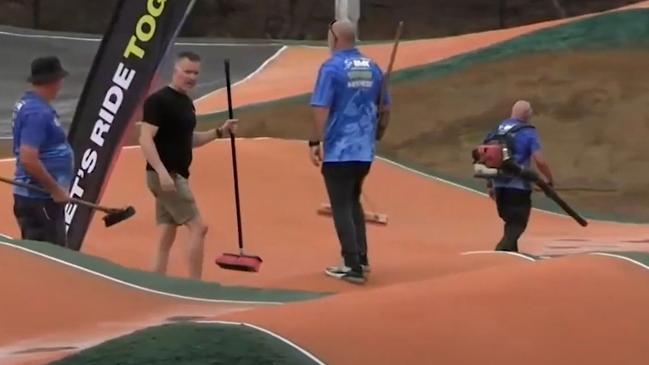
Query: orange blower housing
x=490 y=155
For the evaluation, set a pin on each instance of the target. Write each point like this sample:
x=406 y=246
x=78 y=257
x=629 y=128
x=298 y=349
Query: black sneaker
x=354 y=277
x=345 y=273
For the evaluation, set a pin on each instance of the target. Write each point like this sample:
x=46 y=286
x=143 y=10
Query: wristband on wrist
x=219 y=132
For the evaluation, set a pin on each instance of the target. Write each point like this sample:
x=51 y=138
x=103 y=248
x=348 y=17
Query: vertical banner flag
x=138 y=37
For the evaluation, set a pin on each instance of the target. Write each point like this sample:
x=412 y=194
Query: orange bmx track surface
x=43 y=297
x=436 y=293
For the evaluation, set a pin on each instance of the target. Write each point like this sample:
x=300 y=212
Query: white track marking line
x=251 y=75
x=466 y=188
x=193 y=44
x=456 y=185
x=498 y=252
x=44 y=36
x=620 y=257
x=110 y=278
x=279 y=337
x=216 y=44
x=98 y=39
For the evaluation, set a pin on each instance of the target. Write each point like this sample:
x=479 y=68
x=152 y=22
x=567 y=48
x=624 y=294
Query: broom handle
x=386 y=78
x=234 y=156
x=71 y=200
x=393 y=54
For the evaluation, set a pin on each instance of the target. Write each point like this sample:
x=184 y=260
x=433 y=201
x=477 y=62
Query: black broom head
x=118 y=216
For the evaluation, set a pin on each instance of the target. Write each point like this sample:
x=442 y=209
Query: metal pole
x=36 y=13
x=349 y=9
x=501 y=12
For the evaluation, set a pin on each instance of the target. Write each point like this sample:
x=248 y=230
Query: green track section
x=193 y=289
x=641 y=257
x=629 y=28
x=191 y=344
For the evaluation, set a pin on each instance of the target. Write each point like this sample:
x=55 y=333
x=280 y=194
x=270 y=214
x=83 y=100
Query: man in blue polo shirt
x=43 y=156
x=513 y=195
x=345 y=104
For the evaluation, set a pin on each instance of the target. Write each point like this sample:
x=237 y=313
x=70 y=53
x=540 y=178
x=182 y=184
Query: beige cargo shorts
x=174 y=207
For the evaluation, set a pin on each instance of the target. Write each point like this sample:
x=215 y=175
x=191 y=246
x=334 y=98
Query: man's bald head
x=522 y=110
x=344 y=30
x=342 y=34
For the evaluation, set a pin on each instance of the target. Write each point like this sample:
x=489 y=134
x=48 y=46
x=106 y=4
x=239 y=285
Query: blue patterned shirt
x=349 y=84
x=36 y=124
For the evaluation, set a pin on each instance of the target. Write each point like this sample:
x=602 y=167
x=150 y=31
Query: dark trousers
x=344 y=182
x=514 y=207
x=41 y=220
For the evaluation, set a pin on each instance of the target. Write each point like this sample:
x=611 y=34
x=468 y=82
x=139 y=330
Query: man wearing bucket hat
x=43 y=156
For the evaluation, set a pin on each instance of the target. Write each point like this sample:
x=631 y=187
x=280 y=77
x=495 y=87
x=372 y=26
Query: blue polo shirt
x=36 y=124
x=349 y=84
x=526 y=142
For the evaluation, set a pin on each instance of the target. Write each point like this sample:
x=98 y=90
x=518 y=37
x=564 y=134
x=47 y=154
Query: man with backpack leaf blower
x=513 y=194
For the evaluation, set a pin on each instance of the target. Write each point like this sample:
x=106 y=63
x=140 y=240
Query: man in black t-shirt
x=167 y=138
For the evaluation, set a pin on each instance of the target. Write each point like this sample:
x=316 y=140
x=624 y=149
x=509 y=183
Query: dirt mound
x=561 y=311
x=586 y=103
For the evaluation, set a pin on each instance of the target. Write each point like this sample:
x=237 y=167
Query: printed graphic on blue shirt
x=526 y=142
x=36 y=124
x=349 y=85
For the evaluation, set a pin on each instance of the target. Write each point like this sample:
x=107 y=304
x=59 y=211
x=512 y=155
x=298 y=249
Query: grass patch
x=191 y=344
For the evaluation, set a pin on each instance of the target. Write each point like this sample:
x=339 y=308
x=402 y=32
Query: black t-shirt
x=175 y=116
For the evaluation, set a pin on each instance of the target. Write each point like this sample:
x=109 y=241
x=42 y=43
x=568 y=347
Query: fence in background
x=308 y=19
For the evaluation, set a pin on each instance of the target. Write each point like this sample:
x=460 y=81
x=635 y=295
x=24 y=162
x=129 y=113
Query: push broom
x=112 y=217
x=373 y=216
x=232 y=261
x=370 y=215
